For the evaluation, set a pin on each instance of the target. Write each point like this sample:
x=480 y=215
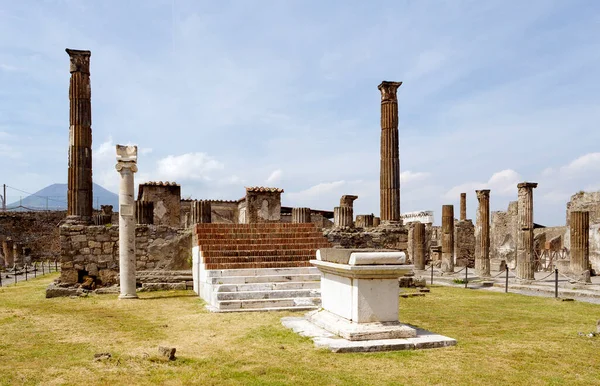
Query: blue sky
x=222 y=95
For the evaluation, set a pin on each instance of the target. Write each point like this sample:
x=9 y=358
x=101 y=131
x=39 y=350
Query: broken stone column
x=343 y=215
x=364 y=221
x=376 y=221
x=105 y=215
x=389 y=183
x=482 y=234
x=79 y=194
x=144 y=212
x=447 y=238
x=525 y=255
x=463 y=206
x=201 y=212
x=419 y=245
x=126 y=166
x=300 y=215
x=580 y=245
x=8 y=250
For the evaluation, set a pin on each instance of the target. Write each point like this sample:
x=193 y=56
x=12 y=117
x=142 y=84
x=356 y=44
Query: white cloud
x=585 y=163
x=502 y=183
x=275 y=176
x=189 y=166
x=407 y=177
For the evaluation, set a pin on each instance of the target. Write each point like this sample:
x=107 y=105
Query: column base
x=128 y=296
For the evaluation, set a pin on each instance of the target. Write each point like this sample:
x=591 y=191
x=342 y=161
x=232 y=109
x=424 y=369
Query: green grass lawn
x=502 y=339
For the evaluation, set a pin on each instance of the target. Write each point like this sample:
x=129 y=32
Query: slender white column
x=127 y=166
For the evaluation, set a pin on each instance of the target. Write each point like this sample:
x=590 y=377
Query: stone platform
x=325 y=339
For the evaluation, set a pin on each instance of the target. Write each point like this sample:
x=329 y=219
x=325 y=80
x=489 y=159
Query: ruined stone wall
x=503 y=234
x=167 y=202
x=94 y=251
x=263 y=206
x=224 y=212
x=185 y=209
x=585 y=201
x=36 y=230
x=464 y=243
x=378 y=238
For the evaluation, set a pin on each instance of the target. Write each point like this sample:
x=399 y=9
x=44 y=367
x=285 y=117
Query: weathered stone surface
x=301 y=215
x=463 y=206
x=167 y=352
x=343 y=217
x=390 y=161
x=144 y=212
x=419 y=245
x=54 y=291
x=364 y=221
x=378 y=238
x=464 y=243
x=263 y=204
x=166 y=199
x=200 y=212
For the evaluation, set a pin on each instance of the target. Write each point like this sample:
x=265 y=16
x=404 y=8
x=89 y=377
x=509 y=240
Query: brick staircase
x=257 y=267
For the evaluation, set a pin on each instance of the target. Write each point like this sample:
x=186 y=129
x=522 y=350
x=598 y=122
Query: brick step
x=294 y=285
x=271 y=272
x=263 y=247
x=256 y=235
x=261 y=264
x=259 y=259
x=269 y=294
x=262 y=304
x=266 y=241
x=262 y=252
x=275 y=225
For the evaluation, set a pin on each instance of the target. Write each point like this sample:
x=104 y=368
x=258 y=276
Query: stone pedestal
x=79 y=194
x=580 y=245
x=359 y=292
x=389 y=183
x=301 y=215
x=127 y=166
x=482 y=234
x=525 y=256
x=419 y=242
x=448 y=238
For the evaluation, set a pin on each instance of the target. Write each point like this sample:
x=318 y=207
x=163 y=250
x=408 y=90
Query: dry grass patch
x=502 y=339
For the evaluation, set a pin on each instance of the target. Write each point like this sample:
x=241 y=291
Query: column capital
x=388 y=90
x=80 y=61
x=527 y=185
x=482 y=193
x=126 y=158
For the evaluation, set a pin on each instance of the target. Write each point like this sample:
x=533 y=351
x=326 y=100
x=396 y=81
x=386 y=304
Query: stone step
x=270 y=294
x=269 y=286
x=267 y=309
x=263 y=279
x=260 y=263
x=262 y=271
x=268 y=303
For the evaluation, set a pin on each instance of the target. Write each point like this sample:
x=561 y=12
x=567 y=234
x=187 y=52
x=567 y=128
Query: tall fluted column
x=463 y=206
x=482 y=234
x=79 y=194
x=525 y=255
x=127 y=166
x=447 y=238
x=389 y=183
x=419 y=245
x=301 y=215
x=580 y=245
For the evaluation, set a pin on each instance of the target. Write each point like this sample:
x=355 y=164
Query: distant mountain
x=54 y=197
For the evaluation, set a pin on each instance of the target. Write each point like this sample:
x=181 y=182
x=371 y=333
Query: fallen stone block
x=167 y=352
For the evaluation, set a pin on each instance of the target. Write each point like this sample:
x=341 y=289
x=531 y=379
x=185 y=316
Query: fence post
x=55 y=265
x=466 y=275
x=432 y=272
x=0 y=279
x=35 y=269
x=42 y=267
x=15 y=275
x=25 y=272
x=556 y=282
x=506 y=286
